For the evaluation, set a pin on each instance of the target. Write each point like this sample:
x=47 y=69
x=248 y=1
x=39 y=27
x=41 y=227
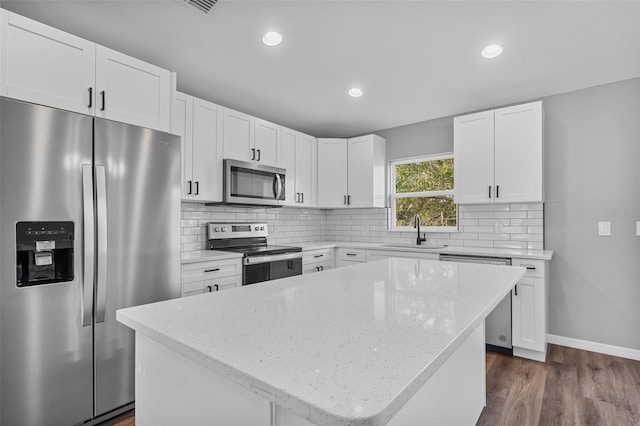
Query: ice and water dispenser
x=44 y=253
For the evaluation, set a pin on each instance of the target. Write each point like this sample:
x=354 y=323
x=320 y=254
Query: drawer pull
x=208 y=289
x=529 y=267
x=212 y=270
x=318 y=255
x=216 y=287
x=351 y=254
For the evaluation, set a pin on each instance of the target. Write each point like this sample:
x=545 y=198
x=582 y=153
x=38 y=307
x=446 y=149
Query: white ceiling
x=415 y=60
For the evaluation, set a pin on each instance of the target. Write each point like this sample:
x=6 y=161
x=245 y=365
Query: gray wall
x=592 y=162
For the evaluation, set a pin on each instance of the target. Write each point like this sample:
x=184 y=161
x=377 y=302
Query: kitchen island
x=396 y=341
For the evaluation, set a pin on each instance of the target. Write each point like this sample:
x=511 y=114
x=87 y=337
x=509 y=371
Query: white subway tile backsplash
x=522 y=225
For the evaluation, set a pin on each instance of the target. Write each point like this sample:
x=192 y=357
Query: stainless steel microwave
x=253 y=184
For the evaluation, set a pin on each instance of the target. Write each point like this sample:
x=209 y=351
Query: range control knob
x=217 y=229
x=262 y=228
x=224 y=229
x=257 y=228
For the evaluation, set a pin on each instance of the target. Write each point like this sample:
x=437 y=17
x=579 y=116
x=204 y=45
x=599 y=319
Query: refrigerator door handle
x=101 y=282
x=88 y=246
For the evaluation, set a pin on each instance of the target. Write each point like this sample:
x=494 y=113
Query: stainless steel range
x=261 y=262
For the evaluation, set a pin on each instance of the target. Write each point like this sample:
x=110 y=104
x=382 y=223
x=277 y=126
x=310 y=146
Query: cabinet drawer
x=193 y=272
x=352 y=255
x=535 y=268
x=206 y=286
x=317 y=267
x=315 y=256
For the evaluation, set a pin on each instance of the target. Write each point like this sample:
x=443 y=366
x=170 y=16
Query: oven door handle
x=254 y=260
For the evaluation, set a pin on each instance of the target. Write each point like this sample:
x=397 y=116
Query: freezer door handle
x=101 y=204
x=88 y=245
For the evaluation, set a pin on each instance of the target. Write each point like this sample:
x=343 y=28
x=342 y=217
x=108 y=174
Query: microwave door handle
x=277 y=186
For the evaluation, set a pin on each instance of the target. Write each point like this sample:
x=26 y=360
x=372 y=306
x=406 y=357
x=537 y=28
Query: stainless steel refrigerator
x=89 y=223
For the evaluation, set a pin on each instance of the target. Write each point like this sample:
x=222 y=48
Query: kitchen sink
x=415 y=246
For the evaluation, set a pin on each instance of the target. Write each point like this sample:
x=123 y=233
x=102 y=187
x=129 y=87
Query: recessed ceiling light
x=491 y=51
x=355 y=92
x=272 y=38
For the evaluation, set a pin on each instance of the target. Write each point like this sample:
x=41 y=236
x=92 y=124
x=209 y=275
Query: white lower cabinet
x=318 y=260
x=529 y=311
x=350 y=256
x=210 y=276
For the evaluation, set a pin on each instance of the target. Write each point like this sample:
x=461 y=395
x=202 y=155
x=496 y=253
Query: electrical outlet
x=604 y=229
x=637 y=229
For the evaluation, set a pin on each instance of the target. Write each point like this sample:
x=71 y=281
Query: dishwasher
x=497 y=326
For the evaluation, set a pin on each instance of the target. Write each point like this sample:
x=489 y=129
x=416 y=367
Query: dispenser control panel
x=44 y=253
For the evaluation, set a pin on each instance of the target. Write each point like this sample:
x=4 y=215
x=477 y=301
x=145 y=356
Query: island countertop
x=349 y=346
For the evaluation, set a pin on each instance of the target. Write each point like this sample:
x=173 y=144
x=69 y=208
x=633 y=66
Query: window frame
x=393 y=196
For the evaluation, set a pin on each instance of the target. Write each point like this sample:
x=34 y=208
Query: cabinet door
x=182 y=125
x=46 y=66
x=238 y=135
x=207 y=151
x=529 y=314
x=132 y=91
x=365 y=173
x=518 y=153
x=267 y=140
x=305 y=147
x=473 y=158
x=332 y=173
x=287 y=161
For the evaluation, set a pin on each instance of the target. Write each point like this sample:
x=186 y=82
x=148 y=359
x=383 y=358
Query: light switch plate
x=637 y=229
x=604 y=229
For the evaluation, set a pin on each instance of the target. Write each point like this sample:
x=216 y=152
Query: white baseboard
x=594 y=347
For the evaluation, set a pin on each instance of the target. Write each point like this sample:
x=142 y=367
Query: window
x=423 y=186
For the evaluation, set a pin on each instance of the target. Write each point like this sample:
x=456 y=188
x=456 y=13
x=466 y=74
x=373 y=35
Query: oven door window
x=271 y=271
x=250 y=183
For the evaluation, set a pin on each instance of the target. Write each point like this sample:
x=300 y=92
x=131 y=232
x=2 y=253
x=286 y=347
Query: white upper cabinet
x=44 y=65
x=366 y=172
x=352 y=172
x=498 y=155
x=332 y=173
x=247 y=138
x=297 y=154
x=199 y=123
x=518 y=153
x=239 y=135
x=132 y=91
x=266 y=143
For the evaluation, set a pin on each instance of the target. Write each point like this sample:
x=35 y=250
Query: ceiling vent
x=201 y=6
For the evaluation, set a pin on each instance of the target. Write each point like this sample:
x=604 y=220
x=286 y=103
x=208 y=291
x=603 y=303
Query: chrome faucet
x=416 y=224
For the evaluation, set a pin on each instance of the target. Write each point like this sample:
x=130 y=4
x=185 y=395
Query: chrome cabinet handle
x=302 y=197
x=101 y=282
x=88 y=246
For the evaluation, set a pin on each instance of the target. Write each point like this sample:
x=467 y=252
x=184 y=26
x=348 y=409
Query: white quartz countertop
x=208 y=255
x=471 y=251
x=348 y=346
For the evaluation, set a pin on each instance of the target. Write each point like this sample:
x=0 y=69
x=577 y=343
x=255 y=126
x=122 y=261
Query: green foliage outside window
x=426 y=176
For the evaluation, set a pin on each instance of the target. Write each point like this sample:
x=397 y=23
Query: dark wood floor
x=573 y=387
